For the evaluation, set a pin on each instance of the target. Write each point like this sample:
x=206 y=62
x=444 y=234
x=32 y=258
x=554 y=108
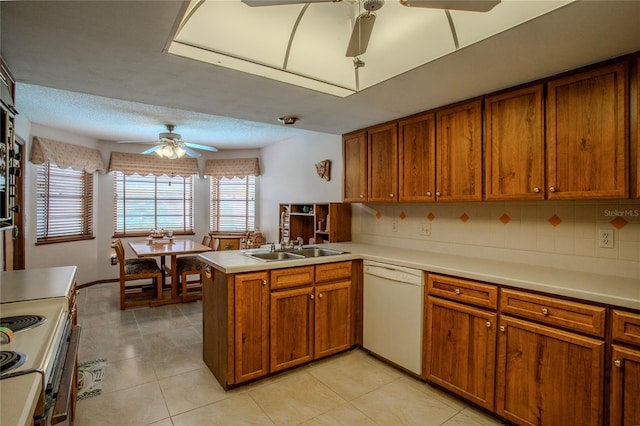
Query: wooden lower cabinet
x=292 y=320
x=333 y=318
x=461 y=349
x=625 y=386
x=548 y=376
x=251 y=326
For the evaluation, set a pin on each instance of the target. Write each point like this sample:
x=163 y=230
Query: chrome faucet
x=272 y=248
x=300 y=243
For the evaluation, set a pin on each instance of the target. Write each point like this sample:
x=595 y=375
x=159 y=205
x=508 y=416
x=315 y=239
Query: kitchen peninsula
x=245 y=301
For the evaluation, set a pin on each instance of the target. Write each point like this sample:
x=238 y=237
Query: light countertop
x=601 y=288
x=18 y=398
x=37 y=283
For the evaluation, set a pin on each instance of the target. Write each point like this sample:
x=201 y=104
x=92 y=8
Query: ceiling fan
x=170 y=145
x=363 y=26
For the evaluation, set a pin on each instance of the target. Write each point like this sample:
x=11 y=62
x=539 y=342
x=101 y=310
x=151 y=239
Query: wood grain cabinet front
x=354 y=180
x=587 y=134
x=625 y=368
x=417 y=159
x=382 y=162
x=514 y=145
x=459 y=152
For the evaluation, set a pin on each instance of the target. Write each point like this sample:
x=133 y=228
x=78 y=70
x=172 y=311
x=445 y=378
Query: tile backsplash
x=562 y=234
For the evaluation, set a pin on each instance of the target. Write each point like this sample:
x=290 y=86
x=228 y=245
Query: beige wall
x=527 y=234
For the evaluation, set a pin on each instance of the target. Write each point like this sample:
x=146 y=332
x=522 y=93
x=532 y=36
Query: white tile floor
x=155 y=375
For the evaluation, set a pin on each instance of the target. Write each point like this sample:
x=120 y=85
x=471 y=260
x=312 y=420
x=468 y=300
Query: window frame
x=137 y=232
x=43 y=195
x=251 y=181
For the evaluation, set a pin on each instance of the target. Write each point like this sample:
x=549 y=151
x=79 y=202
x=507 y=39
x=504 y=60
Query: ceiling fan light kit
x=171 y=146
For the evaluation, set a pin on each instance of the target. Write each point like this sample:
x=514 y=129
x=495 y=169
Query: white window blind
x=149 y=202
x=64 y=206
x=233 y=204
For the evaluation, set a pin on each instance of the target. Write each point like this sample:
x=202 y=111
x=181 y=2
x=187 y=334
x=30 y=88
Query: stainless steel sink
x=274 y=256
x=317 y=251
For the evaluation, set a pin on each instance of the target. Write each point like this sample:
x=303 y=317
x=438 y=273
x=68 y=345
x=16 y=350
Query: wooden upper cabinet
x=459 y=152
x=417 y=158
x=354 y=147
x=514 y=145
x=587 y=134
x=383 y=163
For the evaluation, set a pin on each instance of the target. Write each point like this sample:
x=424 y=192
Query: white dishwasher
x=393 y=313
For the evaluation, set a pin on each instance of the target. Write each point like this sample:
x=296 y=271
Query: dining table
x=163 y=248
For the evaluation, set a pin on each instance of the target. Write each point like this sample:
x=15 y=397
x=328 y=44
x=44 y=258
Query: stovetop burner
x=22 y=322
x=10 y=360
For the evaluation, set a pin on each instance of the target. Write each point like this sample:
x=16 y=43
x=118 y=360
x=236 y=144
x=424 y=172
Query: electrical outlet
x=605 y=238
x=114 y=260
x=425 y=228
x=394 y=225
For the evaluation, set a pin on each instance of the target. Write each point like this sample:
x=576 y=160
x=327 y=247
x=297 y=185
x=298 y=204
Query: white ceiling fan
x=363 y=26
x=170 y=145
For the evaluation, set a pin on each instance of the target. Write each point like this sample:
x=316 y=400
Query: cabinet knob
x=311 y=296
x=437 y=193
x=264 y=282
x=503 y=328
x=552 y=189
x=545 y=311
x=488 y=324
x=457 y=291
x=320 y=295
x=390 y=195
x=361 y=196
x=617 y=363
x=428 y=193
x=536 y=190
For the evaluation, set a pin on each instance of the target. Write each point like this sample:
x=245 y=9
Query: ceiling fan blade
x=466 y=5
x=150 y=150
x=360 y=35
x=258 y=3
x=190 y=152
x=147 y=142
x=203 y=147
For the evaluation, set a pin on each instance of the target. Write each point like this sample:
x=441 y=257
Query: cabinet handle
x=264 y=282
x=503 y=328
x=488 y=324
x=545 y=311
x=361 y=196
x=311 y=296
x=428 y=193
x=617 y=363
x=320 y=295
x=536 y=190
x=552 y=189
x=390 y=195
x=437 y=193
x=457 y=291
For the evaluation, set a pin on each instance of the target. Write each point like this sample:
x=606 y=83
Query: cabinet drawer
x=333 y=271
x=626 y=327
x=291 y=277
x=479 y=294
x=572 y=315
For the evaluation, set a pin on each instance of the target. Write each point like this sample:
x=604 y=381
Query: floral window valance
x=65 y=155
x=231 y=168
x=144 y=165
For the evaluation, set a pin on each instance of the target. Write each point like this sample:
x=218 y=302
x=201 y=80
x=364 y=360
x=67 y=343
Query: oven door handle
x=67 y=391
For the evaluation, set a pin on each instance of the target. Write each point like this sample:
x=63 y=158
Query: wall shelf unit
x=324 y=222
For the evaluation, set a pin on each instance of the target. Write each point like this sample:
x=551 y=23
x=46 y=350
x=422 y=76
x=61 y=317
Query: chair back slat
x=206 y=240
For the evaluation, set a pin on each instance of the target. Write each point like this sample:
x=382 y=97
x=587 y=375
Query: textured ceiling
x=116 y=50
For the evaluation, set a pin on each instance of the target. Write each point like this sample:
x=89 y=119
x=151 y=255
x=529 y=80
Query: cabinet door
x=547 y=376
x=383 y=163
x=332 y=318
x=459 y=153
x=354 y=184
x=514 y=144
x=291 y=327
x=251 y=307
x=461 y=350
x=635 y=132
x=625 y=386
x=417 y=159
x=587 y=135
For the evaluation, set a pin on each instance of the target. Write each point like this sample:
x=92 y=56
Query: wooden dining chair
x=189 y=266
x=137 y=269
